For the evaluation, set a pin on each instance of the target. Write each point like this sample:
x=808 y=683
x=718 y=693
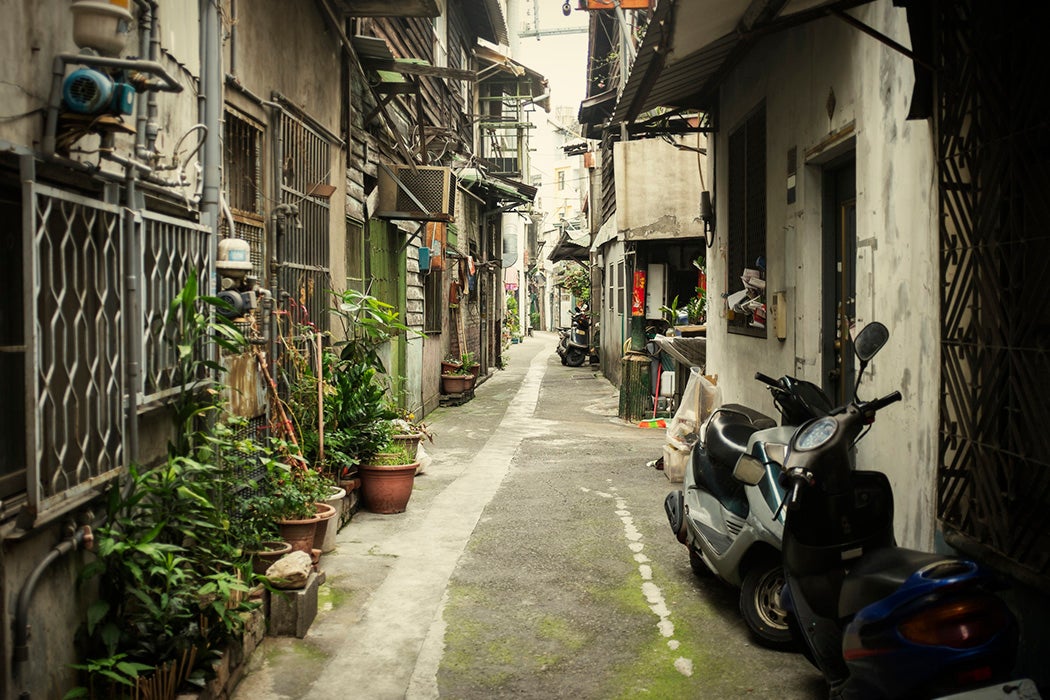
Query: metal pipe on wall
x=80 y=536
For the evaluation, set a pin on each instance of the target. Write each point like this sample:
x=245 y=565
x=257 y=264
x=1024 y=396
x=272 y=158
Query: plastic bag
x=423 y=458
x=699 y=400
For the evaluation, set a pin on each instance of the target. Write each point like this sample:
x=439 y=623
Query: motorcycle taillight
x=960 y=623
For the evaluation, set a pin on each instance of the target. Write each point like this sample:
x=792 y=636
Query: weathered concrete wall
x=657 y=189
x=897 y=263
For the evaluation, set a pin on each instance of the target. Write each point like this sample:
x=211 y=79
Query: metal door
x=840 y=278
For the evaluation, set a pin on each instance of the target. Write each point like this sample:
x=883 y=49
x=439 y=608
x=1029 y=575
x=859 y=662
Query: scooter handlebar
x=766 y=379
x=879 y=404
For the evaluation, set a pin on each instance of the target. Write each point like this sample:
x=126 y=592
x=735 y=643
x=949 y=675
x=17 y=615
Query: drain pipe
x=211 y=80
x=133 y=345
x=149 y=46
x=81 y=536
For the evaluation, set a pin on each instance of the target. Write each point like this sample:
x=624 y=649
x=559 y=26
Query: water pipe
x=81 y=536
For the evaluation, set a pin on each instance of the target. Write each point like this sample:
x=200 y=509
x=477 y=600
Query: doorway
x=839 y=276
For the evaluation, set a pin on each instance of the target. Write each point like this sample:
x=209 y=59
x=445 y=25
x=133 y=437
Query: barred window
x=432 y=302
x=746 y=218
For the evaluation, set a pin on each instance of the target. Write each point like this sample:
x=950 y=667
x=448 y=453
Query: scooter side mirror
x=749 y=470
x=870 y=340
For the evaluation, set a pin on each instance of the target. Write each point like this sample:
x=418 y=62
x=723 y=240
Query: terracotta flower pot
x=386 y=488
x=299 y=533
x=450 y=367
x=456 y=383
x=409 y=441
x=265 y=557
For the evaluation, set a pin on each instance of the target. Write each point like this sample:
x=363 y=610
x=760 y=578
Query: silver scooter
x=735 y=530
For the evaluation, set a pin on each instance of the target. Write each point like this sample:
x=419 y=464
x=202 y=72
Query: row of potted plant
x=458 y=375
x=185 y=541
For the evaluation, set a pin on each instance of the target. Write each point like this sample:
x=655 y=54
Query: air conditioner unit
x=433 y=186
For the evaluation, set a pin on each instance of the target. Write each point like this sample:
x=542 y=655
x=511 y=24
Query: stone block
x=292 y=612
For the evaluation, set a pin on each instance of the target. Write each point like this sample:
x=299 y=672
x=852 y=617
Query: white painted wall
x=897 y=260
x=658 y=188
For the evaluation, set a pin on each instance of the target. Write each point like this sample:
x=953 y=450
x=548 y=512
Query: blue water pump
x=88 y=91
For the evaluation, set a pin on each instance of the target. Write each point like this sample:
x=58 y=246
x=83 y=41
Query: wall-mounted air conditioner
x=431 y=186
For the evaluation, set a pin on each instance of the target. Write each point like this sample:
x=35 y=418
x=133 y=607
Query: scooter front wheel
x=761 y=607
x=697 y=564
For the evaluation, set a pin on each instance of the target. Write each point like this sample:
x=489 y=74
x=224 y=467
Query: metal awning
x=485 y=16
x=389 y=8
x=498 y=62
x=486 y=19
x=573 y=244
x=499 y=188
x=566 y=249
x=691 y=45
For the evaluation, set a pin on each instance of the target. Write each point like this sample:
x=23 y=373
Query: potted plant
x=409 y=432
x=450 y=364
x=295 y=497
x=462 y=378
x=387 y=479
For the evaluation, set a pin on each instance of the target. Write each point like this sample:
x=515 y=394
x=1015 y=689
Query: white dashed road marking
x=653 y=594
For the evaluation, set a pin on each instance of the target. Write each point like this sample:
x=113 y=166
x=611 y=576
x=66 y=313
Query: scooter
x=878 y=620
x=574 y=343
x=733 y=530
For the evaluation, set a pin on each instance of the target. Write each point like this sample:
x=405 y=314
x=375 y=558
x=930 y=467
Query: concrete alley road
x=534 y=561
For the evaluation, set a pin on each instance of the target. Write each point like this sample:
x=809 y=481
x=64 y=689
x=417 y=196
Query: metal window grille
x=242 y=173
x=73 y=255
x=171 y=249
x=746 y=197
x=432 y=288
x=305 y=163
x=242 y=141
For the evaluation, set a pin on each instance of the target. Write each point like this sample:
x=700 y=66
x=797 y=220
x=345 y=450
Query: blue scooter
x=878 y=620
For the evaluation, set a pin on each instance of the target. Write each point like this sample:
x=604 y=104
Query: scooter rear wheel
x=761 y=607
x=574 y=357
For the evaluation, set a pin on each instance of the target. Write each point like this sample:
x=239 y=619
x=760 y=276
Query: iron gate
x=993 y=145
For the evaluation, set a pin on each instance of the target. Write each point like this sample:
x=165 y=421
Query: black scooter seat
x=728 y=432
x=726 y=439
x=878 y=574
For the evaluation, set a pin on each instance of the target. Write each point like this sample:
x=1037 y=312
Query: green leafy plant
x=670 y=311
x=696 y=309
x=392 y=454
x=512 y=320
x=465 y=364
x=358 y=415
x=577 y=280
x=197 y=331
x=170 y=576
x=368 y=324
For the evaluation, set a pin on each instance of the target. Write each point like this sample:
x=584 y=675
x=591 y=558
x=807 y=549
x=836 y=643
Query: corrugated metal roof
x=486 y=18
x=691 y=44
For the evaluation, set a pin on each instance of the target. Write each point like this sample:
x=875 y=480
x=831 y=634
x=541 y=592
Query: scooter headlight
x=816 y=434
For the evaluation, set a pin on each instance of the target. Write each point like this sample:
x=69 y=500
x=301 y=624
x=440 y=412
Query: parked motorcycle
x=878 y=620
x=574 y=342
x=733 y=530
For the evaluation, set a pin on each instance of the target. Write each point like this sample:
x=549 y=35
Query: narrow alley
x=534 y=561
